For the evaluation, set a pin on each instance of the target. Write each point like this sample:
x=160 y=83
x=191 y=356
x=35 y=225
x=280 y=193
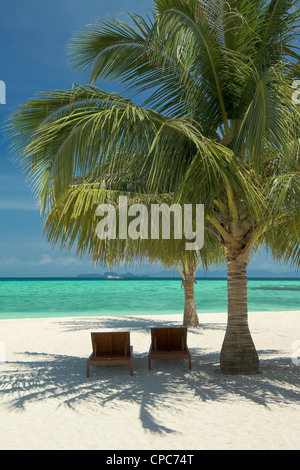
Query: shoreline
x=154 y=315
x=46 y=401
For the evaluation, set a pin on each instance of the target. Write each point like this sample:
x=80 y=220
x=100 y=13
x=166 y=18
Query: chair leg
x=131 y=368
x=190 y=363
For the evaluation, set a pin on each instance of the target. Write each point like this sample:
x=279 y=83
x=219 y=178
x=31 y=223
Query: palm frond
x=111 y=49
x=73 y=221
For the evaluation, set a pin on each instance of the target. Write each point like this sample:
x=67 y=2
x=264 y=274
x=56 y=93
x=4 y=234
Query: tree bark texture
x=190 y=317
x=238 y=353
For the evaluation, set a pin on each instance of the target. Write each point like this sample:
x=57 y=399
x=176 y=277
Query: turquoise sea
x=41 y=298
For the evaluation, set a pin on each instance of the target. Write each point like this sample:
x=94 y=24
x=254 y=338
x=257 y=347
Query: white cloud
x=44 y=260
x=47 y=259
x=264 y=263
x=12 y=261
x=18 y=205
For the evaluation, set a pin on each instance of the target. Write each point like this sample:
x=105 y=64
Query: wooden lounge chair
x=110 y=349
x=169 y=343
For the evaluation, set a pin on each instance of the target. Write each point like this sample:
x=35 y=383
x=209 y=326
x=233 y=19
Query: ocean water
x=41 y=298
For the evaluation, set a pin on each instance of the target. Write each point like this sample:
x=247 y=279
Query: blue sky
x=33 y=39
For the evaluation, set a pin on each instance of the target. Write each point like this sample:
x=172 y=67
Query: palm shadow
x=129 y=322
x=62 y=378
x=133 y=323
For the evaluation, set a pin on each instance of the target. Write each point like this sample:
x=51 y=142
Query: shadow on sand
x=61 y=377
x=127 y=322
x=131 y=323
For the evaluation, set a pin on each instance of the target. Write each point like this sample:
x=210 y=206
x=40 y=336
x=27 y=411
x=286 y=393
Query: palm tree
x=72 y=221
x=219 y=128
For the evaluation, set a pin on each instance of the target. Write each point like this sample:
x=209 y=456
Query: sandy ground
x=46 y=401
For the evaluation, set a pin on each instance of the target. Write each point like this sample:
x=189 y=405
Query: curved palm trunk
x=190 y=317
x=238 y=353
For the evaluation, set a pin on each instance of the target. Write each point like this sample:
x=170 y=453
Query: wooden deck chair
x=110 y=349
x=169 y=343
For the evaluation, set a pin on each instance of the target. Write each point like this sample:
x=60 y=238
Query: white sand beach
x=46 y=401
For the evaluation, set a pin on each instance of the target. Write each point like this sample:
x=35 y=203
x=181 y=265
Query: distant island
x=113 y=275
x=252 y=273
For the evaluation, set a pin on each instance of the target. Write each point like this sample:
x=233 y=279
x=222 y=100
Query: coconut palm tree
x=58 y=105
x=228 y=66
x=73 y=221
x=218 y=127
